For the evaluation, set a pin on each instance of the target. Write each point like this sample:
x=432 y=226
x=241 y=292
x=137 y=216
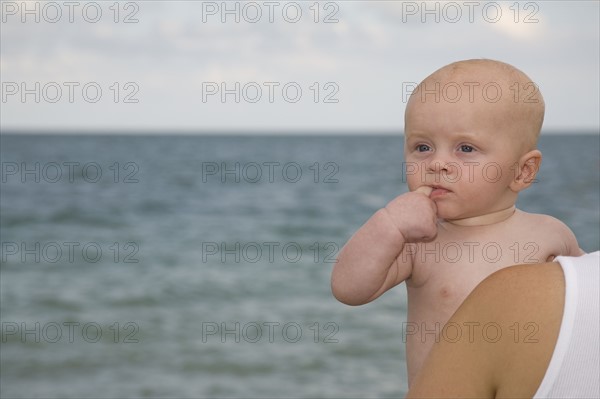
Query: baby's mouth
x=438 y=191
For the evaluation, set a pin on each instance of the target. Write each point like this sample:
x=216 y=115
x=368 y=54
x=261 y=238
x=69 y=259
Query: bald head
x=499 y=94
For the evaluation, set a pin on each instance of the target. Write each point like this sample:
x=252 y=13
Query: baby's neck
x=482 y=220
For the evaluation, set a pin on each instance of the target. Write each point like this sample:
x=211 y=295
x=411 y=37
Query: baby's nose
x=438 y=166
x=438 y=163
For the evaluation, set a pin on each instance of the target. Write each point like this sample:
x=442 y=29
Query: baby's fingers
x=425 y=190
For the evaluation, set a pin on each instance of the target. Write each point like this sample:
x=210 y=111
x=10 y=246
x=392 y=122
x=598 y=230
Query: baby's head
x=471 y=128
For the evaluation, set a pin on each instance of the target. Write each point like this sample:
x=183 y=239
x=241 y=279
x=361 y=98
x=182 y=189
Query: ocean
x=199 y=266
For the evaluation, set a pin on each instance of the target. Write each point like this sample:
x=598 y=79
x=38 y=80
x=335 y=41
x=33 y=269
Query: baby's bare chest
x=454 y=263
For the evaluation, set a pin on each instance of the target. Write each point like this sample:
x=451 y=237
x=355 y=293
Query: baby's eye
x=466 y=148
x=422 y=148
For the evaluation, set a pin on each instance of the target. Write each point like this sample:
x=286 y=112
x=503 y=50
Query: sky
x=275 y=66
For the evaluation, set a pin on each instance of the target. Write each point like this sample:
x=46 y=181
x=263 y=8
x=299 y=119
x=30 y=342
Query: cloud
x=372 y=49
x=520 y=22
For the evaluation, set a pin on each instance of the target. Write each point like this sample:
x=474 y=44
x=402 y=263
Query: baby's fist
x=415 y=215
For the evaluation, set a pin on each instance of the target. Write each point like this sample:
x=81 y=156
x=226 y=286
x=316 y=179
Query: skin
x=467 y=160
x=526 y=302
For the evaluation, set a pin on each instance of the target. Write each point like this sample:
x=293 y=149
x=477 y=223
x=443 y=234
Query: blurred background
x=177 y=179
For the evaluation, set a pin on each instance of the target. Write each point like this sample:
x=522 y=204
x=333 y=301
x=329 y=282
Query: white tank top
x=574 y=370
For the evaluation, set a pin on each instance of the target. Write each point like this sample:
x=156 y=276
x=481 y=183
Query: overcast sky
x=301 y=66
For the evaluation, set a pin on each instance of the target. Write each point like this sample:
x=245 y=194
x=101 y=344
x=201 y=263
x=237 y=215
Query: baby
x=471 y=130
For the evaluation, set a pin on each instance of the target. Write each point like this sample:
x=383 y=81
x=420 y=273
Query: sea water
x=199 y=266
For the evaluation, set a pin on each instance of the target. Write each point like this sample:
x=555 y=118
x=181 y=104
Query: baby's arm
x=371 y=263
x=560 y=238
x=570 y=242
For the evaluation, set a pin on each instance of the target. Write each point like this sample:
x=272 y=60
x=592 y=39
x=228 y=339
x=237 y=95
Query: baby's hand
x=415 y=215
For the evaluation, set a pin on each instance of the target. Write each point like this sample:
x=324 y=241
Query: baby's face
x=464 y=151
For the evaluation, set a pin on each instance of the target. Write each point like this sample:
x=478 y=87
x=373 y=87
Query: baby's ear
x=526 y=170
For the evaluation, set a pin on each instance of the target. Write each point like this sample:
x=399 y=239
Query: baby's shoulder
x=552 y=231
x=542 y=222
